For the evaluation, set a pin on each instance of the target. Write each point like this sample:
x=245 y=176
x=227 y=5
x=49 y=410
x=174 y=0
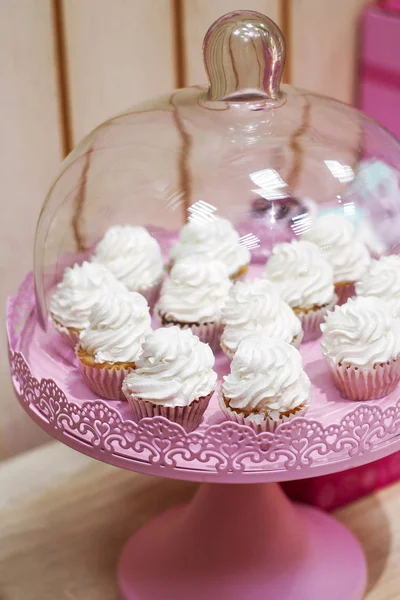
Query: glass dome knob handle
x=244 y=54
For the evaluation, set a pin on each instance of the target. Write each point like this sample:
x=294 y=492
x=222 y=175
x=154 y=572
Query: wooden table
x=65 y=517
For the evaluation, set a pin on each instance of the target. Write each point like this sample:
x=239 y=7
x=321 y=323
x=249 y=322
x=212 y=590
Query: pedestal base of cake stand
x=242 y=542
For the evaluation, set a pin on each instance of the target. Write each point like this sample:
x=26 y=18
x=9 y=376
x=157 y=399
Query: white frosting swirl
x=196 y=291
x=132 y=255
x=382 y=280
x=254 y=306
x=266 y=377
x=343 y=249
x=302 y=275
x=175 y=369
x=214 y=237
x=118 y=325
x=361 y=333
x=80 y=288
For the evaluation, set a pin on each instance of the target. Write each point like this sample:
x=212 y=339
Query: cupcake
x=81 y=287
x=112 y=343
x=361 y=343
x=174 y=378
x=266 y=385
x=193 y=297
x=305 y=281
x=215 y=238
x=346 y=252
x=382 y=280
x=134 y=257
x=256 y=306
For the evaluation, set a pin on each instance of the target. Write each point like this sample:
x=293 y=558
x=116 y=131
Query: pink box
x=390 y=4
x=332 y=491
x=379 y=65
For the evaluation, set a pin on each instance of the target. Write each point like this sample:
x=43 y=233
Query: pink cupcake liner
x=209 y=333
x=344 y=291
x=366 y=383
x=229 y=353
x=152 y=293
x=257 y=421
x=312 y=319
x=70 y=337
x=189 y=417
x=103 y=381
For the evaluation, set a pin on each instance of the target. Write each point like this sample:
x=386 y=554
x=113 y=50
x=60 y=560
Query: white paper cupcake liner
x=366 y=383
x=344 y=291
x=312 y=319
x=209 y=333
x=104 y=381
x=259 y=422
x=189 y=417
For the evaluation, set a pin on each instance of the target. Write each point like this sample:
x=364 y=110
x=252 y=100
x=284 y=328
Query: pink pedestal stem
x=242 y=542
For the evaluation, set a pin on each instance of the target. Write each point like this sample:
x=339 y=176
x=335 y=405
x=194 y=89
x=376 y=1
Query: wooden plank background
x=117 y=53
x=66 y=65
x=30 y=152
x=323 y=44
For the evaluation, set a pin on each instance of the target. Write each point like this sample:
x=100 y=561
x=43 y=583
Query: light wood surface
x=30 y=151
x=64 y=519
x=117 y=55
x=323 y=45
x=198 y=15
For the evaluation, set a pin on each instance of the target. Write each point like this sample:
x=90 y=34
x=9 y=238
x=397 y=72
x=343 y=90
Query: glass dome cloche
x=266 y=156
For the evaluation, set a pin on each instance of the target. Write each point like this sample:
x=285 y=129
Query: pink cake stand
x=233 y=541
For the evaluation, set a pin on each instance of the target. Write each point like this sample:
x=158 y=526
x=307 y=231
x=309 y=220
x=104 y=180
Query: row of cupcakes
x=169 y=371
x=131 y=257
x=199 y=294
x=119 y=351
